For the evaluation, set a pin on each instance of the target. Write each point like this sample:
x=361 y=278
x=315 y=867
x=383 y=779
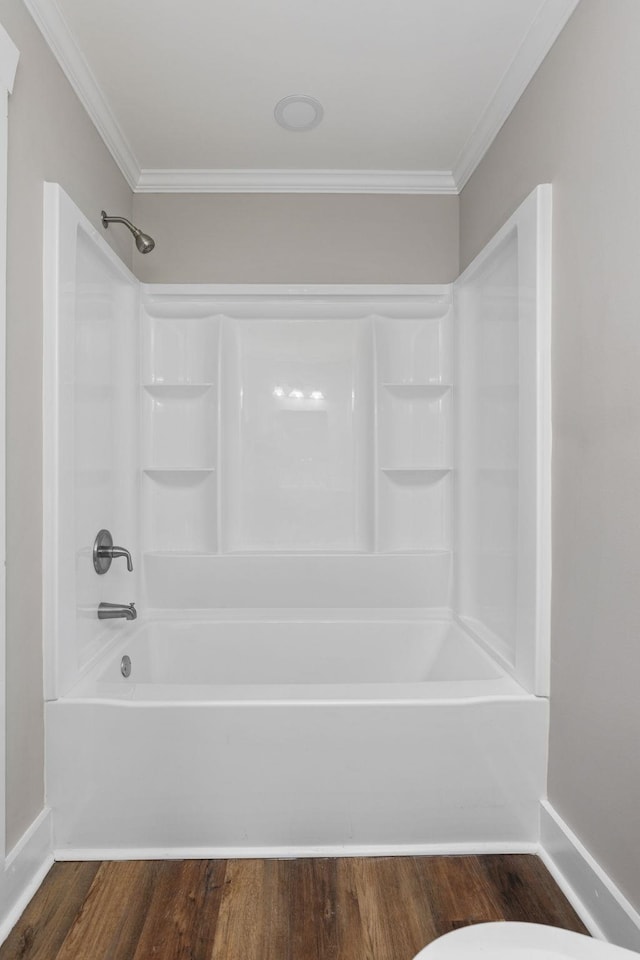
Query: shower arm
x=107 y=220
x=144 y=242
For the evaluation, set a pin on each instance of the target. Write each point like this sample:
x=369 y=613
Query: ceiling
x=413 y=90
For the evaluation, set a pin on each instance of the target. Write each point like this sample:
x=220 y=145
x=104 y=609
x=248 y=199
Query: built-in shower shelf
x=252 y=554
x=177 y=554
x=417 y=552
x=417 y=391
x=187 y=472
x=322 y=552
x=179 y=391
x=180 y=510
x=416 y=474
x=294 y=555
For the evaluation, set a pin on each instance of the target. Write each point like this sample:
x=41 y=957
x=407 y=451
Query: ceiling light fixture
x=298 y=113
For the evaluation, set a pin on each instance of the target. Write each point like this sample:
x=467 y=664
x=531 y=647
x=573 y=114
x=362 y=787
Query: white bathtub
x=292 y=737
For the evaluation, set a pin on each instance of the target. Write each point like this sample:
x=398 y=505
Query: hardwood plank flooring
x=378 y=908
x=513 y=877
x=458 y=892
x=183 y=912
x=43 y=926
x=112 y=916
x=312 y=909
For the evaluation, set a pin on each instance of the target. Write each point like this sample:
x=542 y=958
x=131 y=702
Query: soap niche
x=415 y=510
x=414 y=424
x=181 y=349
x=180 y=426
x=414 y=351
x=180 y=511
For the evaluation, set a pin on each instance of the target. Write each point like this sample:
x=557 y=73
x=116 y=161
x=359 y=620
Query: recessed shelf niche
x=415 y=510
x=414 y=424
x=414 y=436
x=180 y=348
x=414 y=352
x=180 y=511
x=180 y=425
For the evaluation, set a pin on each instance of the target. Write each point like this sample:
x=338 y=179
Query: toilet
x=520 y=941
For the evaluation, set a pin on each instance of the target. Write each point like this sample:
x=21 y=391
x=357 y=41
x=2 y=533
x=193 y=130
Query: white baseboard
x=24 y=870
x=292 y=853
x=600 y=904
x=606 y=913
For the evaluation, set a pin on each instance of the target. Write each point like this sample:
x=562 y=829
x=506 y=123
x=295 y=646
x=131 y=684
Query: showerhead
x=144 y=242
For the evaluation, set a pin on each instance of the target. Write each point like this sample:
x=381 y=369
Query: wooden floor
x=347 y=909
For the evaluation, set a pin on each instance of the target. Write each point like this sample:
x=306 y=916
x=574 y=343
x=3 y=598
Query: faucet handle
x=121 y=552
x=104 y=552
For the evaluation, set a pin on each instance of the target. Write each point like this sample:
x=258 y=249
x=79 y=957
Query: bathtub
x=293 y=737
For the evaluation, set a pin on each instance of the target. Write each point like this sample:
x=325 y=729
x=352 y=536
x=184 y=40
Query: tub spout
x=113 y=611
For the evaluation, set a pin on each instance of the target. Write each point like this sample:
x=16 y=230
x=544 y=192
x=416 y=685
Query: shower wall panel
x=297 y=437
x=503 y=440
x=296 y=446
x=90 y=464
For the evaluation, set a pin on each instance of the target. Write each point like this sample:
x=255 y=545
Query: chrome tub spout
x=113 y=611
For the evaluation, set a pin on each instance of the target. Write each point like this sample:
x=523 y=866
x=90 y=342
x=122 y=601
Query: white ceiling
x=413 y=90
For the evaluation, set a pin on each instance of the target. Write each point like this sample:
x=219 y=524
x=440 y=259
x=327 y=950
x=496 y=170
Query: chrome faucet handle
x=104 y=552
x=121 y=552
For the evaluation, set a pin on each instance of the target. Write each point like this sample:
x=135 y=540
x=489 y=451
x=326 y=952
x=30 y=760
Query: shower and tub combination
x=336 y=505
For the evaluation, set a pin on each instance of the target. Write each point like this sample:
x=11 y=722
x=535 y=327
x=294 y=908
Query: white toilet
x=520 y=941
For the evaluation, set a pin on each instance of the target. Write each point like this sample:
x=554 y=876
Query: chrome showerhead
x=144 y=242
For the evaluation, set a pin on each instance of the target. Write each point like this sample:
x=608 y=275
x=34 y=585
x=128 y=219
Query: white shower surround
x=235 y=564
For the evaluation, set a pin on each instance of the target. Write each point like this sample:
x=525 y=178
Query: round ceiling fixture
x=298 y=113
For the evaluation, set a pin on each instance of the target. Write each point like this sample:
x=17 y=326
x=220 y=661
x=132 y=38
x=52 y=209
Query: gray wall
x=50 y=138
x=578 y=126
x=298 y=238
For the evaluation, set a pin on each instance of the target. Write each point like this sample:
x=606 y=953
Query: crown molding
x=9 y=55
x=53 y=27
x=296 y=181
x=540 y=37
